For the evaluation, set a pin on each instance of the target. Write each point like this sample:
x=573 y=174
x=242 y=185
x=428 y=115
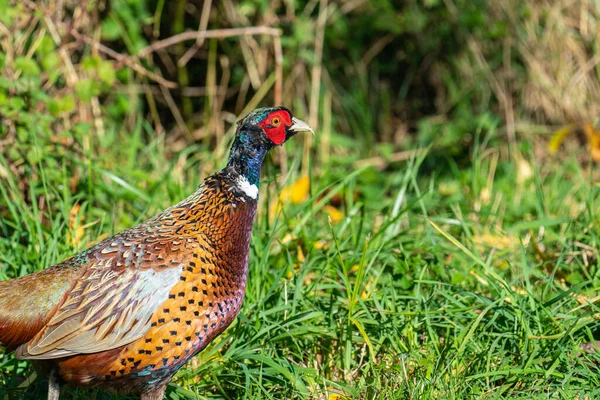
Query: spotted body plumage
x=207 y=286
x=127 y=313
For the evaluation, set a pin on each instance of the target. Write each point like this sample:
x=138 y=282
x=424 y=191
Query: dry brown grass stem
x=191 y=91
x=176 y=113
x=278 y=96
x=499 y=90
x=315 y=89
x=381 y=162
x=248 y=51
x=325 y=132
x=351 y=5
x=200 y=40
x=212 y=34
x=376 y=48
x=221 y=91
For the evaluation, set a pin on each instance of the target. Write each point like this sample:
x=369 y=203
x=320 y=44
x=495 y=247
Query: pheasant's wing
x=26 y=303
x=105 y=310
x=127 y=278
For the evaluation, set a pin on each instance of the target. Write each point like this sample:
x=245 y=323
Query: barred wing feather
x=105 y=309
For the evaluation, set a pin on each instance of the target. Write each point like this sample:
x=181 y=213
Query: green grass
x=451 y=281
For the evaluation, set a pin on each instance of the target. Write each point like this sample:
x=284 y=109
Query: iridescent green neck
x=247 y=155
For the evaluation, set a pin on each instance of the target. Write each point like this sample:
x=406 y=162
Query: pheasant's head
x=275 y=124
x=259 y=132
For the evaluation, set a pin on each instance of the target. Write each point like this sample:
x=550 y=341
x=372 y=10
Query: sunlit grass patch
x=487 y=288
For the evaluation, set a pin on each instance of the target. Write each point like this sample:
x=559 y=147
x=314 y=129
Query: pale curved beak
x=300 y=126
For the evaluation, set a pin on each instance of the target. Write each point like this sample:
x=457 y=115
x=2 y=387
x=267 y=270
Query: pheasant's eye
x=275 y=121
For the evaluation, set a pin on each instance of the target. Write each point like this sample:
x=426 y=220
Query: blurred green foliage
x=387 y=64
x=392 y=75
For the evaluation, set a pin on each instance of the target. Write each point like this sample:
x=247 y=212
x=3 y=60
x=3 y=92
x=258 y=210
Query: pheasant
x=127 y=313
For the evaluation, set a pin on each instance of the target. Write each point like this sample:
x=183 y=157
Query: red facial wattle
x=274 y=125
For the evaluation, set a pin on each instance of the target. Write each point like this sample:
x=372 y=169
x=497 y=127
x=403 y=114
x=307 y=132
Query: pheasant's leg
x=53 y=386
x=155 y=394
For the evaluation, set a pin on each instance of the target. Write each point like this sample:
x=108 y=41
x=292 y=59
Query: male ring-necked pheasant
x=127 y=313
